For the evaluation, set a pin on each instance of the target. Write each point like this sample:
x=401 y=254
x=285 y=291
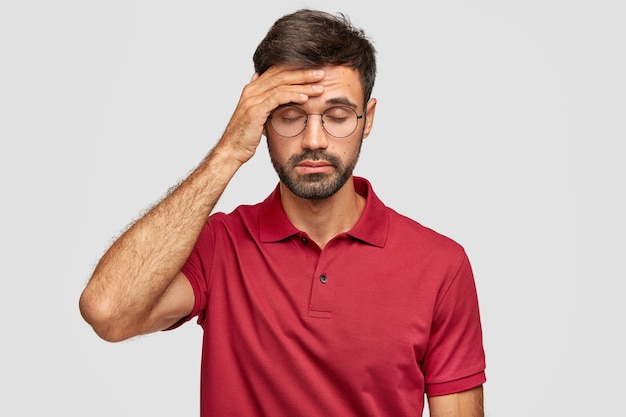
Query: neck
x=324 y=219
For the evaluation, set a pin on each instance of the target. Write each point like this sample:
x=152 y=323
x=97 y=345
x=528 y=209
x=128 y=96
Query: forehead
x=340 y=82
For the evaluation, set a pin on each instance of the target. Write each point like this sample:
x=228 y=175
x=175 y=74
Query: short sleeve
x=454 y=360
x=197 y=270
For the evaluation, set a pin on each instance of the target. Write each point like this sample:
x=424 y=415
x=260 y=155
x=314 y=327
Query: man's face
x=314 y=164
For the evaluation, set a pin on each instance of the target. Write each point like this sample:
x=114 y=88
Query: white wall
x=499 y=124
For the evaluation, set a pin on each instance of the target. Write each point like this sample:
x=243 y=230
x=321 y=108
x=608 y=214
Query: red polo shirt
x=386 y=312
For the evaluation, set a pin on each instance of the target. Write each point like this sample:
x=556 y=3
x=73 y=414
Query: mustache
x=315 y=155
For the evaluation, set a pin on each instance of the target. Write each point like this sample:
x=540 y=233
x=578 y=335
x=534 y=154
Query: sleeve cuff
x=458 y=385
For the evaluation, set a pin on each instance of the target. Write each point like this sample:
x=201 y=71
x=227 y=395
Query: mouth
x=314 y=167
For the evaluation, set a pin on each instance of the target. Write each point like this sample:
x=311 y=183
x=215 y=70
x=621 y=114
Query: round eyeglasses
x=339 y=121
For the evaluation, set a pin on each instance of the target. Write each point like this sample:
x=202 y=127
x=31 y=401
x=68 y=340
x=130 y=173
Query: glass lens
x=289 y=121
x=340 y=121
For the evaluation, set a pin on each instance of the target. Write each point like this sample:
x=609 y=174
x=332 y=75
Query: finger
x=295 y=85
x=279 y=86
x=276 y=76
x=287 y=94
x=285 y=85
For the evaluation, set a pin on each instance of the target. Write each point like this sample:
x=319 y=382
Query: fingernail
x=318 y=73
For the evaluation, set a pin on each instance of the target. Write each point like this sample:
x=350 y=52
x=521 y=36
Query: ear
x=369 y=117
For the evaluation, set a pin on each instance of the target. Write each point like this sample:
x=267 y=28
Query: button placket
x=324 y=280
x=322 y=292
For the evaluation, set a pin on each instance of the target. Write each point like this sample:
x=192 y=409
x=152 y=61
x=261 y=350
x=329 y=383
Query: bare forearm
x=463 y=404
x=137 y=269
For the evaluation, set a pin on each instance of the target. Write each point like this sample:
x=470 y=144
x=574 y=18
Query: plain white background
x=499 y=124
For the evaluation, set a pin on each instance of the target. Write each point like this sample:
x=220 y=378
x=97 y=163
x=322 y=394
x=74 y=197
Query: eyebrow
x=344 y=101
x=341 y=100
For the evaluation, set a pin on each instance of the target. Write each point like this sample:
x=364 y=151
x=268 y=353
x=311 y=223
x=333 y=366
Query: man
x=319 y=301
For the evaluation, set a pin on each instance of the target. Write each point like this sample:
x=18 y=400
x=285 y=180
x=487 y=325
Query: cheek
x=353 y=147
x=276 y=149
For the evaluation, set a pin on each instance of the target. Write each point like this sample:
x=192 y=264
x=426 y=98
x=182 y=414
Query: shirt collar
x=371 y=228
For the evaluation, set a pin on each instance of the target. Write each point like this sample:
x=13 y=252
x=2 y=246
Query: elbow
x=97 y=312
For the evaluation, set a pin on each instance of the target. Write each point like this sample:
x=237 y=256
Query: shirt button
x=323 y=279
x=304 y=240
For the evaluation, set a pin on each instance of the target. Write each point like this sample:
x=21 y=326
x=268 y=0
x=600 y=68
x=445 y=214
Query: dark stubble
x=315 y=186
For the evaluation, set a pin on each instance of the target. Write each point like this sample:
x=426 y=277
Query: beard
x=315 y=186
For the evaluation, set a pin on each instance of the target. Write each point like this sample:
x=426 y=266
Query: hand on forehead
x=340 y=84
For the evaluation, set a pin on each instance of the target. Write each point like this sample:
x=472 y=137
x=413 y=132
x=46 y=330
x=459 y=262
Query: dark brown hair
x=310 y=38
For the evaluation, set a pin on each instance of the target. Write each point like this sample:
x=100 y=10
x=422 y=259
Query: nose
x=314 y=135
